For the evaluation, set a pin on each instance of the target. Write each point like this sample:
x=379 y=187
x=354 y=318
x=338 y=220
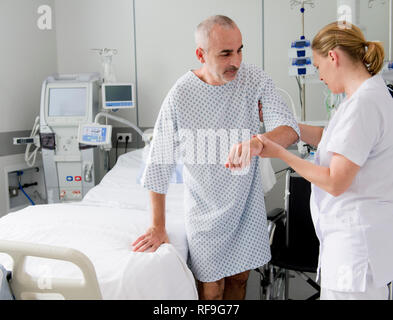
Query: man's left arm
x=280 y=123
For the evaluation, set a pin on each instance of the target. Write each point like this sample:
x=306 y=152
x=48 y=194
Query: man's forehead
x=224 y=38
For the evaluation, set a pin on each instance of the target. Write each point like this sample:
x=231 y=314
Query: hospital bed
x=82 y=250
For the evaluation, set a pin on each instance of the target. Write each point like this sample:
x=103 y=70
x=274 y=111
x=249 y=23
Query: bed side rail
x=26 y=287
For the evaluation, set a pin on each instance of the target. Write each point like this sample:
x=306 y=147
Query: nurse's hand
x=240 y=154
x=270 y=148
x=151 y=240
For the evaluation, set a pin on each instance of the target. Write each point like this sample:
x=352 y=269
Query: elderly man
x=225 y=215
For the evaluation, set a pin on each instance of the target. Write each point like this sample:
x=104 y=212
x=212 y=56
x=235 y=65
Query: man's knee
x=211 y=290
x=239 y=279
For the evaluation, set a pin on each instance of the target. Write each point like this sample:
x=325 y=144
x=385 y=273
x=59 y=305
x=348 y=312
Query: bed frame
x=25 y=287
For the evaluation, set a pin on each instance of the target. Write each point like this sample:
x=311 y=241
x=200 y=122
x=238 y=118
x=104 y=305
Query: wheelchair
x=293 y=242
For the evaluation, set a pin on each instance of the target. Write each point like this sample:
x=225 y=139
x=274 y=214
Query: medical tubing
x=121 y=120
x=33 y=155
x=291 y=100
x=27 y=196
x=390 y=28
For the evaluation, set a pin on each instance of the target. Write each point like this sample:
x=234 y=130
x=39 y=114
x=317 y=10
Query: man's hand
x=241 y=153
x=151 y=240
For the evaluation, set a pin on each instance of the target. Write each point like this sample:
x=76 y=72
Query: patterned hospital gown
x=225 y=215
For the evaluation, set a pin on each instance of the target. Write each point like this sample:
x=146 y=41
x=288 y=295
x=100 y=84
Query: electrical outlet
x=124 y=137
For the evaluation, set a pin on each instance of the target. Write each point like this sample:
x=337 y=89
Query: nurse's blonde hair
x=351 y=40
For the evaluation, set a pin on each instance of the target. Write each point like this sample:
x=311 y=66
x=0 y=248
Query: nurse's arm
x=335 y=179
x=311 y=135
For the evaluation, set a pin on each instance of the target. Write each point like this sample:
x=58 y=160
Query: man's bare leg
x=235 y=286
x=211 y=290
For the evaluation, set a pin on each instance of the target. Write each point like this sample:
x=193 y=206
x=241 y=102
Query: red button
x=78 y=178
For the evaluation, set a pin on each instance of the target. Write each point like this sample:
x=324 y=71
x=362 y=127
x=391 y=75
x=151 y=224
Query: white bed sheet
x=103 y=226
x=119 y=187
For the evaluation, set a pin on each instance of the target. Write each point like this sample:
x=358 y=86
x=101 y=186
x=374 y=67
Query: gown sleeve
x=161 y=161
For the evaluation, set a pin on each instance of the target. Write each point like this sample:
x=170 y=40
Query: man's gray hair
x=202 y=32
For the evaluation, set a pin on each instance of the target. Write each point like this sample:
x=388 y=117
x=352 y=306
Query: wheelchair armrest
x=275 y=214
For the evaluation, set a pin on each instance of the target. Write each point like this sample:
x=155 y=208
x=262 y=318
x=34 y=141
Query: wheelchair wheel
x=272 y=283
x=277 y=284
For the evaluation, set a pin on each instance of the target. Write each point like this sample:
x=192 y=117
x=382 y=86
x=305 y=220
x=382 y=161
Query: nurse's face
x=224 y=55
x=328 y=70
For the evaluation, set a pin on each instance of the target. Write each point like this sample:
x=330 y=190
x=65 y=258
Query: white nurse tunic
x=355 y=229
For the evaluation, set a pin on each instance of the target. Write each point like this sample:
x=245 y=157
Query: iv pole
x=303 y=85
x=389 y=62
x=302 y=79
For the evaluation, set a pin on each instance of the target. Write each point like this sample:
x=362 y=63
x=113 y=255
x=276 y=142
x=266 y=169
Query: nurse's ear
x=333 y=57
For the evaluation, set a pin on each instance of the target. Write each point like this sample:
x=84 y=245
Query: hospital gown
x=225 y=216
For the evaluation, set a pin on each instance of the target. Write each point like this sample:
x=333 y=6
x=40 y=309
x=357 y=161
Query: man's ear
x=200 y=55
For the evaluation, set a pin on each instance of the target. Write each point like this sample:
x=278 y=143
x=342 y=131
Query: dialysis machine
x=74 y=145
x=71 y=169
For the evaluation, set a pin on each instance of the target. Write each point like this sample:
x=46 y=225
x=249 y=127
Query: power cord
x=108 y=160
x=117 y=144
x=19 y=174
x=125 y=149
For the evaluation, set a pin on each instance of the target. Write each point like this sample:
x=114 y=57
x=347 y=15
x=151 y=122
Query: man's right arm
x=159 y=168
x=156 y=234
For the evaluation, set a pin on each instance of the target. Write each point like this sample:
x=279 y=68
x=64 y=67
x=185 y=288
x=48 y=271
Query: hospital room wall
x=91 y=24
x=166 y=48
x=27 y=56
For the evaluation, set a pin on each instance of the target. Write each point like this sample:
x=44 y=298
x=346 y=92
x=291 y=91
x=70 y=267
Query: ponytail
x=374 y=56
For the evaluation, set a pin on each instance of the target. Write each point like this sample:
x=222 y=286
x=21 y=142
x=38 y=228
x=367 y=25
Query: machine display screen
x=67 y=102
x=118 y=93
x=94 y=134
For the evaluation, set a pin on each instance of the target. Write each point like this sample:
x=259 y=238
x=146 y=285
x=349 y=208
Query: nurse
x=352 y=177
